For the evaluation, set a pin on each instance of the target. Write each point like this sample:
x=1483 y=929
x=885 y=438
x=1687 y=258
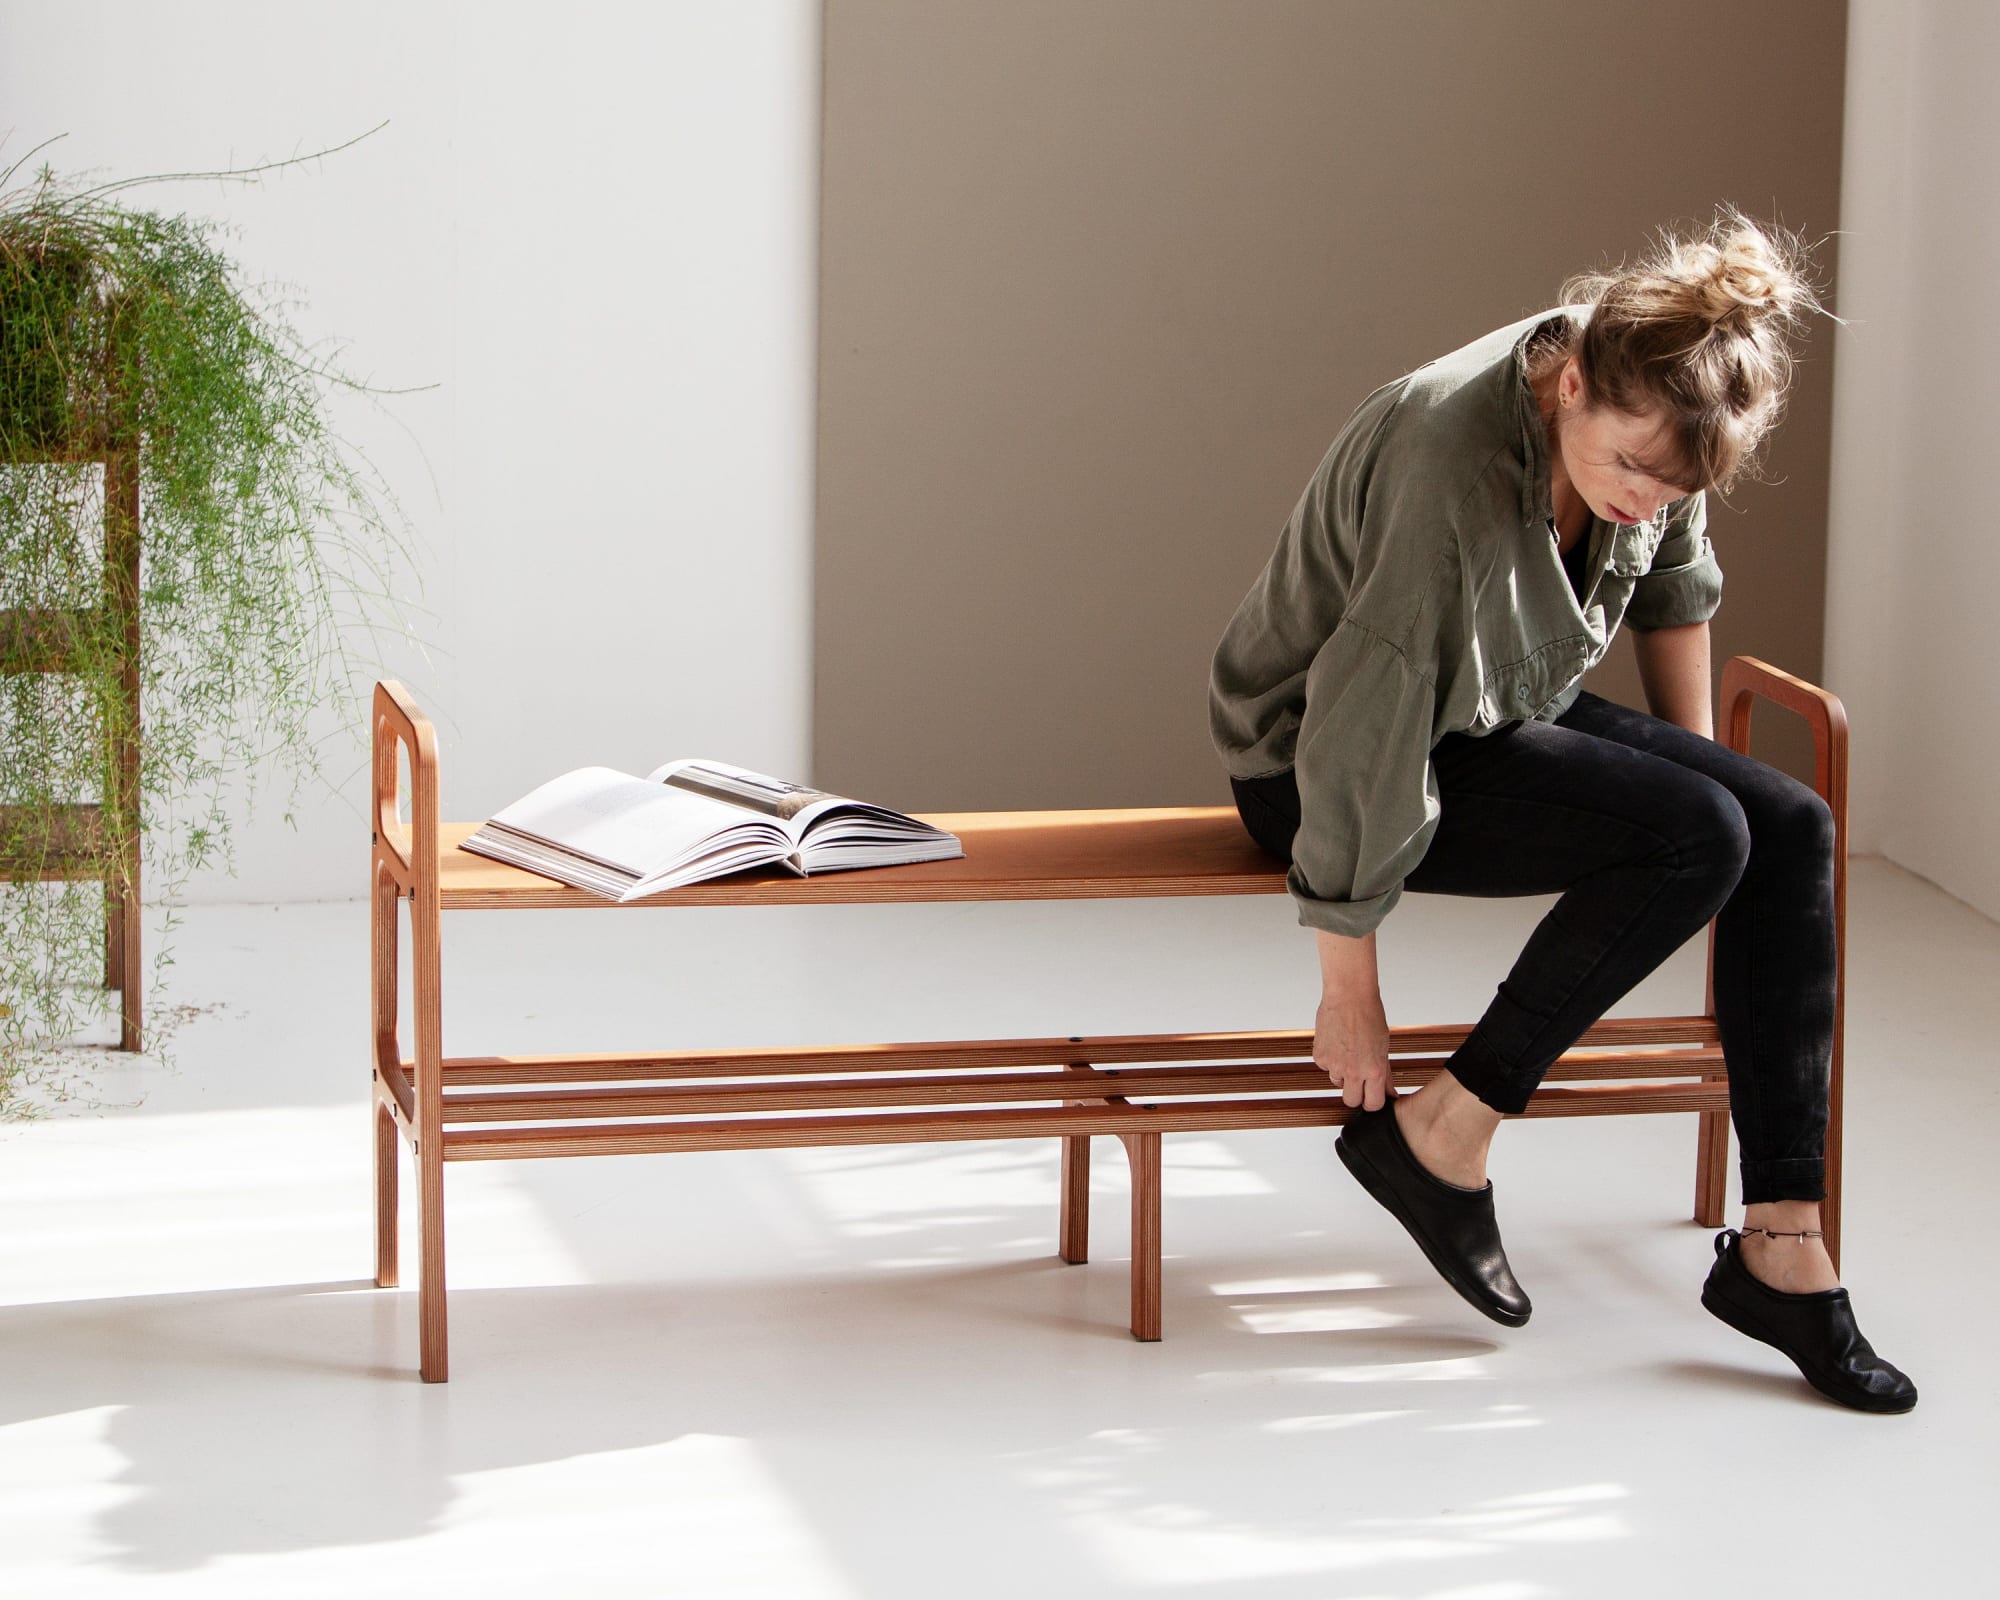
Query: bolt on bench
x=1134 y=1087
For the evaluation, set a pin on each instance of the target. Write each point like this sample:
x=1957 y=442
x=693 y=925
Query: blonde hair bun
x=1739 y=271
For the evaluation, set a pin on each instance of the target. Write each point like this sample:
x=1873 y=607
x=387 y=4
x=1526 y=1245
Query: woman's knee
x=1712 y=832
x=1787 y=815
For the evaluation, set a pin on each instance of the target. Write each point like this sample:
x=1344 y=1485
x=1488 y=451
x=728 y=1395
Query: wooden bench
x=1134 y=1087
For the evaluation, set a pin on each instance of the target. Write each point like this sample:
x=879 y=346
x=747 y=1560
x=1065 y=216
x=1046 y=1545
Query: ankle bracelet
x=1801 y=1235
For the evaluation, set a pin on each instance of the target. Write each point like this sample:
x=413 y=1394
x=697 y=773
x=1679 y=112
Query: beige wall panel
x=1100 y=281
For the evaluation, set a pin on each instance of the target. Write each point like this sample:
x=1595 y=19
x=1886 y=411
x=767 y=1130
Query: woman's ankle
x=1784 y=1248
x=1449 y=1130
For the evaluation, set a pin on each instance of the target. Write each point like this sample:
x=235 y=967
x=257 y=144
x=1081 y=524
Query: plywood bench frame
x=1133 y=1087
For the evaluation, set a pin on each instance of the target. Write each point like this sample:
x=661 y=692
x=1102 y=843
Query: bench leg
x=427 y=1145
x=1711 y=1168
x=432 y=1360
x=427 y=992
x=1073 y=1233
x=1073 y=1241
x=383 y=911
x=1142 y=1150
x=1711 y=1140
x=387 y=1137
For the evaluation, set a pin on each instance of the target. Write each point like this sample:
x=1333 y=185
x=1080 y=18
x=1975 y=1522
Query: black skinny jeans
x=1647 y=831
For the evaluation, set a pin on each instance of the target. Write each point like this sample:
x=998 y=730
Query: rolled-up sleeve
x=1367 y=794
x=1684 y=584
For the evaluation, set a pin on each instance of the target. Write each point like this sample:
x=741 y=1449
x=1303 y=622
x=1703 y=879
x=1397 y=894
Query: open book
x=624 y=837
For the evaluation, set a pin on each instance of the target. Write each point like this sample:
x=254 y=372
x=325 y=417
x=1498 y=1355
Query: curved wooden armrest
x=411 y=855
x=1745 y=680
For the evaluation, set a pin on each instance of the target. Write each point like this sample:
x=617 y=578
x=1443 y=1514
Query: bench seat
x=1009 y=855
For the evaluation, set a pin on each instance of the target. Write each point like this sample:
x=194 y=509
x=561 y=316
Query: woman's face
x=1608 y=454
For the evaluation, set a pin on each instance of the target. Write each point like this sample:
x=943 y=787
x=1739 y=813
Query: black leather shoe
x=1816 y=1330
x=1454 y=1225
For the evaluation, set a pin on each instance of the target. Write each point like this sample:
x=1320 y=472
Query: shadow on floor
x=948 y=1402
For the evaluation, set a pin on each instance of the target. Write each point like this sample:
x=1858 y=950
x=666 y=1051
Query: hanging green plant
x=140 y=372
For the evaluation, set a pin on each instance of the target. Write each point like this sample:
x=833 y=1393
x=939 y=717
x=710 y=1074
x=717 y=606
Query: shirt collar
x=1537 y=501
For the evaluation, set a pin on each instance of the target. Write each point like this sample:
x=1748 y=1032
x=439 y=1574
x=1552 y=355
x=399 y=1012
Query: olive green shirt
x=1418 y=590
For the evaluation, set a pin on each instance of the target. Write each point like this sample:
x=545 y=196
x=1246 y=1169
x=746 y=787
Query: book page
x=773 y=797
x=796 y=807
x=626 y=822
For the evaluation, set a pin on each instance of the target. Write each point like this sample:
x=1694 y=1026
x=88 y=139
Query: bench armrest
x=410 y=855
x=1745 y=680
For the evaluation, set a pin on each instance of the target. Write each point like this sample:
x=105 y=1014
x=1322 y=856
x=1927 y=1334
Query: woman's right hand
x=1351 y=1028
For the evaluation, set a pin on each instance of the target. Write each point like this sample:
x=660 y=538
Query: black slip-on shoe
x=1454 y=1226
x=1816 y=1330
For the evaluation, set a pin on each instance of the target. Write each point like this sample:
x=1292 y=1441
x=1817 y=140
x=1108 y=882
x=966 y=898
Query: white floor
x=862 y=1373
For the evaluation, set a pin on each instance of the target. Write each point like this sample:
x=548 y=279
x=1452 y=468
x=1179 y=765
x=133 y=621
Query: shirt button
x=1521 y=694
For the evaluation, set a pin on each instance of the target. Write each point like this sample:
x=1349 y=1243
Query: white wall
x=594 y=229
x=1914 y=543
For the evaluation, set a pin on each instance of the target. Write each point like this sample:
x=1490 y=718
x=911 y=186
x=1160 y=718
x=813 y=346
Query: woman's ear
x=1569 y=384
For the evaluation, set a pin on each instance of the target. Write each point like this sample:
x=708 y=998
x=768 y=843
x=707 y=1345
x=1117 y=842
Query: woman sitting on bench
x=1397 y=703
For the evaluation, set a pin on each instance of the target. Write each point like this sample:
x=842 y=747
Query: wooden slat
x=72 y=849
x=1009 y=855
x=827 y=1094
x=39 y=640
x=927 y=1127
x=76 y=452
x=1101 y=1050
x=1135 y=1083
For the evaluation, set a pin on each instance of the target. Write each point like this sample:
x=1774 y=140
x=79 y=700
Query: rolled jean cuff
x=1803 y=1178
x=1488 y=1078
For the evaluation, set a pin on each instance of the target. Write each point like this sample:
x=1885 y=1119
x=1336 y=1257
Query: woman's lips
x=1622 y=515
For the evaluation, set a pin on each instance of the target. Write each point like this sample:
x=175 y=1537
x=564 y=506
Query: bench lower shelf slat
x=975 y=1088
x=1098 y=1050
x=638 y=1138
